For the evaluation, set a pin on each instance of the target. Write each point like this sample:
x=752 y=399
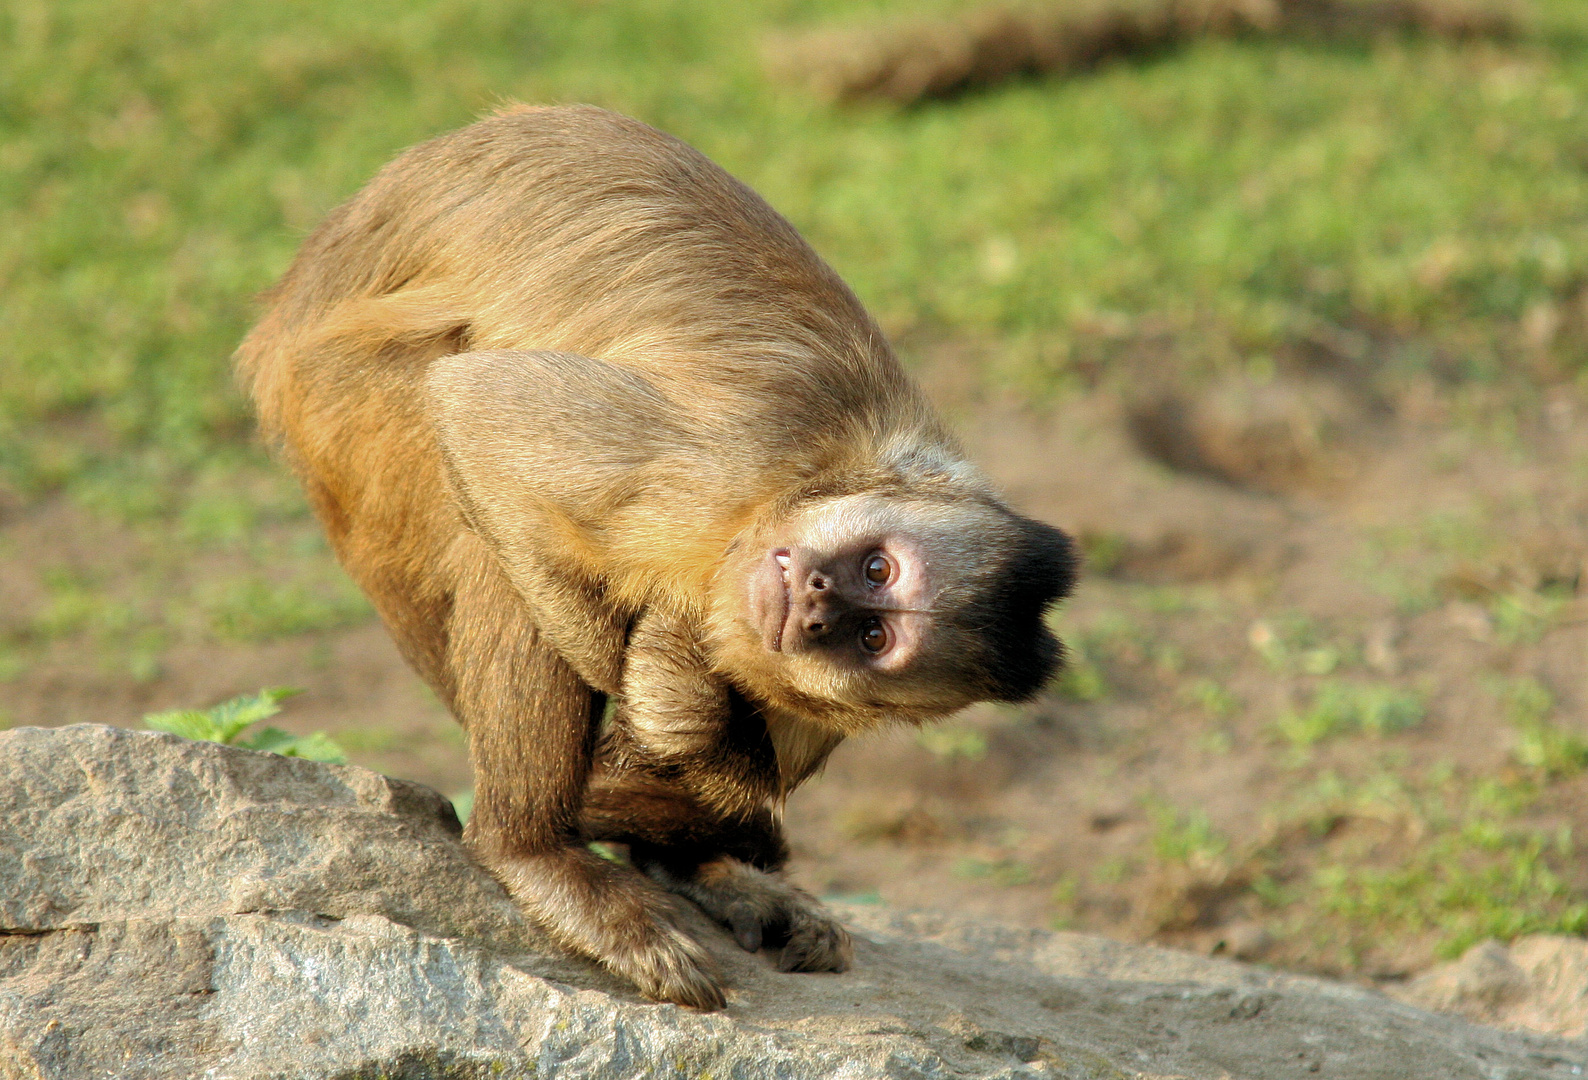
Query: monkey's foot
x=616 y=917
x=759 y=908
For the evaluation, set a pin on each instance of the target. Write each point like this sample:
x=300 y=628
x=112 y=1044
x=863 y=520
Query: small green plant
x=1526 y=701
x=74 y=605
x=1551 y=751
x=1541 y=745
x=949 y=741
x=1188 y=838
x=1001 y=872
x=1065 y=901
x=1103 y=551
x=1081 y=679
x=1294 y=643
x=610 y=852
x=1113 y=871
x=1523 y=618
x=1212 y=698
x=868 y=898
x=253 y=609
x=226 y=722
x=1340 y=707
x=12 y=661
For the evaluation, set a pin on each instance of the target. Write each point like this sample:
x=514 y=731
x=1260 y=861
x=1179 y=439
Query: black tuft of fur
x=1009 y=615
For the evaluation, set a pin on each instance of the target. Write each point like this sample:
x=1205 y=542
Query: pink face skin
x=853 y=581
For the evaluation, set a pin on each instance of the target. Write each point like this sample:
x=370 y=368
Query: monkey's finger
x=670 y=966
x=816 y=944
x=682 y=984
x=746 y=927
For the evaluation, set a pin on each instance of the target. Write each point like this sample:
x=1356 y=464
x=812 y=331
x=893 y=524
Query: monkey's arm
x=687 y=773
x=675 y=720
x=543 y=450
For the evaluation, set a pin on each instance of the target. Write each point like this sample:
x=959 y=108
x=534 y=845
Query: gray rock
x=178 y=909
x=1538 y=983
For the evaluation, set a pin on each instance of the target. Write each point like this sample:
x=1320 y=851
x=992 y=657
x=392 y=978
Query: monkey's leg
x=731 y=868
x=531 y=732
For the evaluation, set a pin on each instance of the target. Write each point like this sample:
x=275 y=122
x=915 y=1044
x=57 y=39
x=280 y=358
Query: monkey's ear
x=535 y=444
x=1039 y=570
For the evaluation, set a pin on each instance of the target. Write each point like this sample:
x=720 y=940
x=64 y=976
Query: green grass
x=1004 y=873
x=949 y=741
x=159 y=162
x=1081 y=679
x=1462 y=859
x=1541 y=746
x=1215 y=700
x=1339 y=707
x=256 y=609
x=1185 y=837
x=1471 y=555
x=1293 y=643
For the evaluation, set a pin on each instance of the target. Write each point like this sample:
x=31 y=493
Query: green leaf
x=224 y=723
x=188 y=723
x=316 y=746
x=231 y=717
x=271 y=739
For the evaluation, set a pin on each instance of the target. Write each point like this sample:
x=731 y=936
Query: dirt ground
x=1256 y=544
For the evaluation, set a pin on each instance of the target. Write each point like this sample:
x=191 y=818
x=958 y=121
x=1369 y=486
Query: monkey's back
x=578 y=230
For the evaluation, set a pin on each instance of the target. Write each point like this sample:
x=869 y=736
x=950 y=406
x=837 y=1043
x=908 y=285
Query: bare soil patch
x=904 y=61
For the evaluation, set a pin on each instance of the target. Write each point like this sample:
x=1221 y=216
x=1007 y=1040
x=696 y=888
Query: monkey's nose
x=817 y=582
x=815 y=624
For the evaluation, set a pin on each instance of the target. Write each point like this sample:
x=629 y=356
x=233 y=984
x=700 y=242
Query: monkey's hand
x=614 y=916
x=761 y=908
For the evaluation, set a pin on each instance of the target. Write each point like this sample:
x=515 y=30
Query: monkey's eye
x=873 y=635
x=878 y=570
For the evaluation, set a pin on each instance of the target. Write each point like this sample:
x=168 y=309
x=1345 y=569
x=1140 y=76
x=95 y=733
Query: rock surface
x=1539 y=983
x=178 y=909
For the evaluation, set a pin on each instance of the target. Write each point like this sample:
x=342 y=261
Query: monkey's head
x=864 y=606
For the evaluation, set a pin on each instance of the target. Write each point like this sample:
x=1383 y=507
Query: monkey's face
x=852 y=582
x=869 y=604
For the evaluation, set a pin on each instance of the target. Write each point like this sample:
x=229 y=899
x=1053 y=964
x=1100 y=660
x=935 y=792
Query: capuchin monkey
x=591 y=424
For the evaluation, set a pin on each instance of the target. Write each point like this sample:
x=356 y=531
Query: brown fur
x=547 y=381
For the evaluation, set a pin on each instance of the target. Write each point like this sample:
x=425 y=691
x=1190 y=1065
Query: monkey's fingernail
x=782 y=560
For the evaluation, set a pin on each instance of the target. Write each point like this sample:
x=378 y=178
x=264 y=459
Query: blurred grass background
x=159 y=162
x=1417 y=206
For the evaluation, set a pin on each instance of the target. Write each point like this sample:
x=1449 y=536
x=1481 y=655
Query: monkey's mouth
x=769 y=599
x=781 y=558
